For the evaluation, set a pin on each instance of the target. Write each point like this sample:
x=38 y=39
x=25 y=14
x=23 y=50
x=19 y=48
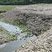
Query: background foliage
x=23 y=1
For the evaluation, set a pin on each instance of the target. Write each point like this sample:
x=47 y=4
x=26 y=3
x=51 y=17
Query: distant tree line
x=22 y=2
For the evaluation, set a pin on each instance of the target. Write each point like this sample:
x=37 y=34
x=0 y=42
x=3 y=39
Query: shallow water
x=11 y=46
x=10 y=28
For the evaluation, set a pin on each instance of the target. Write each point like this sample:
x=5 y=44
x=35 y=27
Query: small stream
x=10 y=28
x=11 y=46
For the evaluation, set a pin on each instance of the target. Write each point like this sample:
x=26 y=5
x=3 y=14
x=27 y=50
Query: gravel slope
x=42 y=44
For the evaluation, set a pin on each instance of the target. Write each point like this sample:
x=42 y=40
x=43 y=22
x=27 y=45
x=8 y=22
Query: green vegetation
x=15 y=2
x=6 y=8
x=12 y=37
